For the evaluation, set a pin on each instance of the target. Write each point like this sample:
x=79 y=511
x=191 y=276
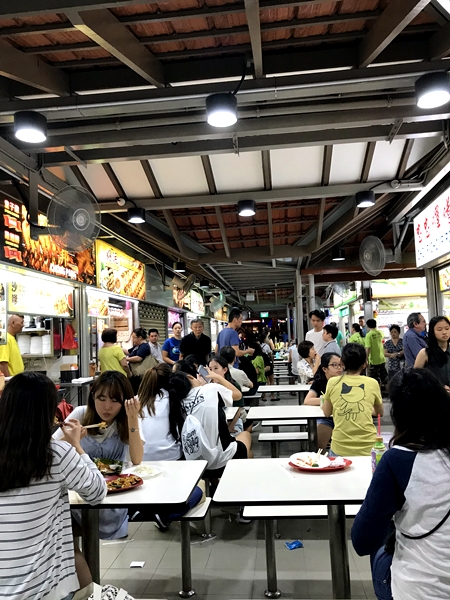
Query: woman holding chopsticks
x=111 y=430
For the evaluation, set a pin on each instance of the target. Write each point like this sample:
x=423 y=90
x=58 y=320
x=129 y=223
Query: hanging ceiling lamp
x=338 y=253
x=136 y=215
x=179 y=267
x=30 y=126
x=246 y=208
x=221 y=109
x=433 y=90
x=365 y=199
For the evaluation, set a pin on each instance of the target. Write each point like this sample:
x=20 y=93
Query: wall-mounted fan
x=318 y=303
x=184 y=285
x=373 y=256
x=217 y=302
x=340 y=288
x=73 y=219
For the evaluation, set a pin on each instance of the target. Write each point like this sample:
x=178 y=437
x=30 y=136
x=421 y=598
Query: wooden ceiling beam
x=439 y=43
x=151 y=179
x=107 y=31
x=395 y=17
x=254 y=28
x=406 y=153
x=223 y=232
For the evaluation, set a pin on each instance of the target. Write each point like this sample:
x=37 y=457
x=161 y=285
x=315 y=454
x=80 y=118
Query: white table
x=172 y=487
x=301 y=390
x=280 y=412
x=231 y=412
x=245 y=482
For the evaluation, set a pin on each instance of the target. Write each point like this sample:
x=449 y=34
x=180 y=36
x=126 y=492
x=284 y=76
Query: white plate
x=323 y=460
x=145 y=471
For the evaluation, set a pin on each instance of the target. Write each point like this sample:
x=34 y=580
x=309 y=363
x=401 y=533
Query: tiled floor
x=233 y=564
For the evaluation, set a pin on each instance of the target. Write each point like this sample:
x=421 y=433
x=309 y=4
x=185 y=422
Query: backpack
x=195 y=443
x=97 y=592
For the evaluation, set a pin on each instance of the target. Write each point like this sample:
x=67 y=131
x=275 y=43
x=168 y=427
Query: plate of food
x=316 y=461
x=147 y=471
x=107 y=466
x=122 y=483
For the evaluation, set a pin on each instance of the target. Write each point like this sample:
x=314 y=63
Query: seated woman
x=219 y=366
x=111 y=401
x=110 y=356
x=36 y=547
x=352 y=399
x=205 y=401
x=330 y=366
x=411 y=485
x=305 y=366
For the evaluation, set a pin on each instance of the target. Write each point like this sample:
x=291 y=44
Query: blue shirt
x=413 y=343
x=228 y=337
x=172 y=347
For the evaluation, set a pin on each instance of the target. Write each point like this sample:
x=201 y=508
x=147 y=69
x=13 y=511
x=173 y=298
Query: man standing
x=329 y=336
x=375 y=353
x=196 y=343
x=362 y=325
x=314 y=335
x=230 y=337
x=155 y=348
x=11 y=362
x=414 y=339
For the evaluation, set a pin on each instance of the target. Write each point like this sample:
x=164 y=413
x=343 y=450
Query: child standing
x=353 y=400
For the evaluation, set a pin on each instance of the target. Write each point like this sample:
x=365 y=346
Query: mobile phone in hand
x=204 y=373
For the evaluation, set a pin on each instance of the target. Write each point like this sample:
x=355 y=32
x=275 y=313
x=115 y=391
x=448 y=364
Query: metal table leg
x=90 y=537
x=301 y=397
x=275 y=449
x=312 y=435
x=186 y=571
x=340 y=572
x=271 y=564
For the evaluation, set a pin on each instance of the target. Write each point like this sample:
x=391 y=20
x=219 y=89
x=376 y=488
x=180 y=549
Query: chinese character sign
x=432 y=230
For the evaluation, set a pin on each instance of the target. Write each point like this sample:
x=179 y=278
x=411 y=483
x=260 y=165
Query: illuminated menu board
x=119 y=273
x=32 y=295
x=42 y=255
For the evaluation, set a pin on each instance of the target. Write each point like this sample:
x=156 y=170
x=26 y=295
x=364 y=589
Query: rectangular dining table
x=298 y=388
x=172 y=487
x=267 y=481
x=278 y=412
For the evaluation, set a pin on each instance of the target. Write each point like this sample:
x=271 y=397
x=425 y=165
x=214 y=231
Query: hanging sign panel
x=35 y=296
x=432 y=230
x=119 y=273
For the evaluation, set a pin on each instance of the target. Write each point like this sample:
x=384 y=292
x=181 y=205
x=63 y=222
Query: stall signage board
x=34 y=296
x=399 y=288
x=17 y=248
x=98 y=304
x=432 y=230
x=196 y=303
x=119 y=273
x=264 y=315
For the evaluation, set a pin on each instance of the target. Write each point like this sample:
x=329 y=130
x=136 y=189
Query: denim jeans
x=381 y=574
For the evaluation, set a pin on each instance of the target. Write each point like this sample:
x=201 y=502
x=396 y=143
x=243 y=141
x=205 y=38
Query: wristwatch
x=132 y=429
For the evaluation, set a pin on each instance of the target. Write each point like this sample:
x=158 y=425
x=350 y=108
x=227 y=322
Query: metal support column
x=288 y=322
x=312 y=293
x=434 y=298
x=271 y=563
x=299 y=333
x=367 y=299
x=340 y=572
x=186 y=569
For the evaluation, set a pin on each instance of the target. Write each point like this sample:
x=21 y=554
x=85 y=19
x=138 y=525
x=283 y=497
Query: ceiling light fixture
x=365 y=199
x=338 y=253
x=30 y=127
x=136 y=215
x=221 y=109
x=433 y=89
x=204 y=283
x=179 y=267
x=246 y=208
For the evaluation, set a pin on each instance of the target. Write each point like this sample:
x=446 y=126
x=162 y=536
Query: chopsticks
x=101 y=425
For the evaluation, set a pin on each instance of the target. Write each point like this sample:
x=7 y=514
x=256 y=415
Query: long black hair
x=320 y=376
x=436 y=356
x=223 y=363
x=416 y=428
x=179 y=387
x=27 y=413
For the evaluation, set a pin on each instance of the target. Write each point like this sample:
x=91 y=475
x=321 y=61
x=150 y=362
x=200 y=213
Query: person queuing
x=155 y=347
x=261 y=368
x=111 y=357
x=305 y=366
x=329 y=335
x=393 y=351
x=330 y=366
x=411 y=485
x=171 y=347
x=196 y=343
x=136 y=355
x=314 y=335
x=352 y=399
x=11 y=362
x=36 y=549
x=229 y=336
x=414 y=338
x=373 y=342
x=356 y=337
x=436 y=358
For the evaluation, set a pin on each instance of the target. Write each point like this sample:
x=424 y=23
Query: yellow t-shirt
x=353 y=398
x=110 y=359
x=10 y=354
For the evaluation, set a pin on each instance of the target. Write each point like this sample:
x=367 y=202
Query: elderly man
x=414 y=339
x=196 y=343
x=11 y=362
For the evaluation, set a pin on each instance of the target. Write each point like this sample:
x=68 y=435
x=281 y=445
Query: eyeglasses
x=335 y=365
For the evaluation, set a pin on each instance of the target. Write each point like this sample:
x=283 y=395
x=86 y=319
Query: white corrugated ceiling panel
x=180 y=176
x=386 y=160
x=296 y=166
x=347 y=162
x=99 y=181
x=237 y=172
x=421 y=147
x=133 y=179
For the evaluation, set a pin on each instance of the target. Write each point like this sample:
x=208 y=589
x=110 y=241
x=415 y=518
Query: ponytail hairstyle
x=179 y=387
x=152 y=384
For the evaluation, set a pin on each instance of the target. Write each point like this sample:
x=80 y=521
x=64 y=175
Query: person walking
x=393 y=351
x=196 y=343
x=229 y=336
x=356 y=337
x=414 y=339
x=171 y=347
x=314 y=335
x=375 y=353
x=110 y=356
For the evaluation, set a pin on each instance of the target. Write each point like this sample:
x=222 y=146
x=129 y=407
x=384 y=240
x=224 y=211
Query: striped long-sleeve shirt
x=36 y=542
